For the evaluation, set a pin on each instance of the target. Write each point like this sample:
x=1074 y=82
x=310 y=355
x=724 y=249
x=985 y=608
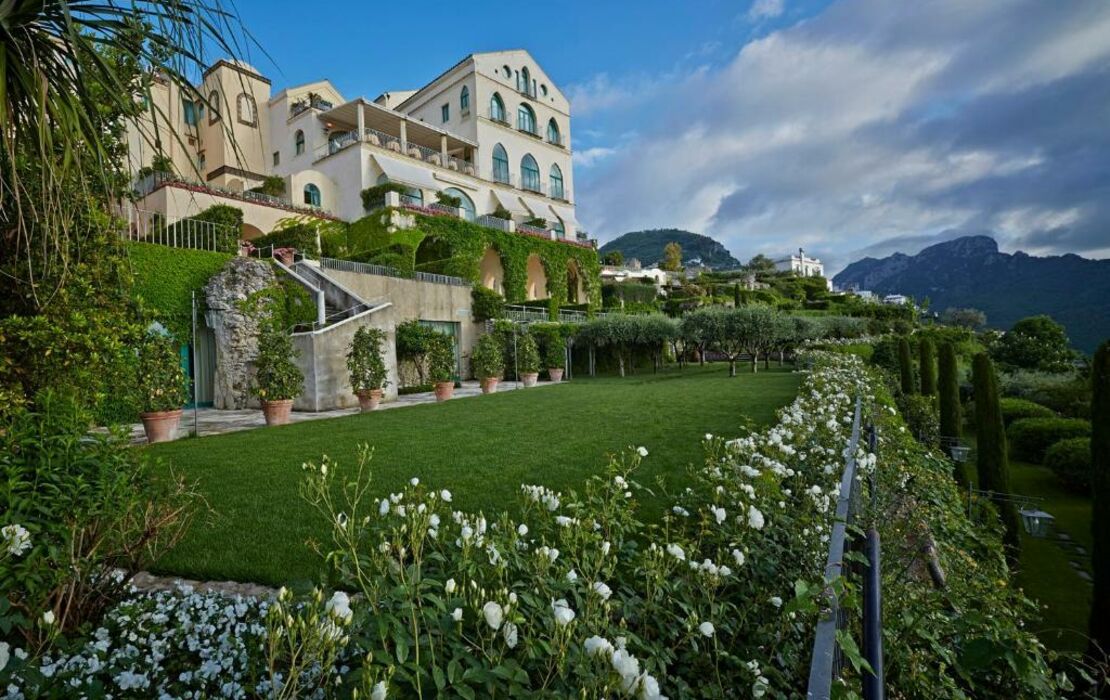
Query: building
x=611 y=273
x=801 y=265
x=493 y=130
x=896 y=299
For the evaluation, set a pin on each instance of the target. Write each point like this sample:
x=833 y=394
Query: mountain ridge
x=647 y=246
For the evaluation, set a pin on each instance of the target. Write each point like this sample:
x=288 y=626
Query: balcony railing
x=380 y=139
x=149 y=183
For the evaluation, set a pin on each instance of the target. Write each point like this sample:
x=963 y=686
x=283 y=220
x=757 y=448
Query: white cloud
x=765 y=9
x=589 y=157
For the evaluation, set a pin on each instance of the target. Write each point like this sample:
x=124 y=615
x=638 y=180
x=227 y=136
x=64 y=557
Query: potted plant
x=163 y=388
x=528 y=359
x=488 y=362
x=278 y=379
x=367 y=367
x=555 y=357
x=441 y=365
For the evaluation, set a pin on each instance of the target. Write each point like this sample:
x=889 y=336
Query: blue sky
x=851 y=127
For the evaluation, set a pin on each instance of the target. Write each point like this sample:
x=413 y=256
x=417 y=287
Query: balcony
x=338 y=141
x=147 y=184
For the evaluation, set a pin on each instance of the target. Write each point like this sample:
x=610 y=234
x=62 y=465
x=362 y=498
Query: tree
x=1100 y=509
x=1036 y=343
x=905 y=366
x=949 y=399
x=614 y=258
x=928 y=362
x=968 y=318
x=992 y=461
x=737 y=299
x=672 y=257
x=761 y=263
x=755 y=329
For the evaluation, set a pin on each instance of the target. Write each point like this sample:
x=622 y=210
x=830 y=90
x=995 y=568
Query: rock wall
x=236 y=331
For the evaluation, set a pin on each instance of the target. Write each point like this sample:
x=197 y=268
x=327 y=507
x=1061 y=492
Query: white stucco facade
x=801 y=265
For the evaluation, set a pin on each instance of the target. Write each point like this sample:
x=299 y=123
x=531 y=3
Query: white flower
x=522 y=530
x=627 y=666
x=414 y=481
x=450 y=586
x=563 y=521
x=596 y=646
x=379 y=691
x=719 y=514
x=706 y=628
x=776 y=601
x=563 y=613
x=572 y=576
x=445 y=495
x=738 y=556
x=755 y=518
x=675 y=551
x=16 y=539
x=4 y=655
x=709 y=436
x=602 y=590
x=494 y=614
x=340 y=606
x=509 y=632
x=456 y=615
x=642 y=451
x=48 y=617
x=679 y=510
x=649 y=689
x=341 y=521
x=383 y=507
x=605 y=546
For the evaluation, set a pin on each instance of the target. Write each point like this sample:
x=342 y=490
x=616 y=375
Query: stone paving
x=211 y=421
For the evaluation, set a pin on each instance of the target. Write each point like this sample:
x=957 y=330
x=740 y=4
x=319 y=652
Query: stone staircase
x=335 y=303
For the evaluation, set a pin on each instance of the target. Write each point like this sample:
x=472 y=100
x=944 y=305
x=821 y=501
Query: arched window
x=312 y=195
x=213 y=107
x=556 y=182
x=529 y=173
x=497 y=109
x=465 y=202
x=464 y=100
x=553 y=134
x=526 y=119
x=248 y=110
x=525 y=80
x=500 y=164
x=298 y=142
x=561 y=232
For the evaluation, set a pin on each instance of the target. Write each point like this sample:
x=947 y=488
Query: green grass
x=480 y=448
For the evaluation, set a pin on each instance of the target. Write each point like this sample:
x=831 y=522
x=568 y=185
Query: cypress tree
x=905 y=366
x=992 y=462
x=1100 y=509
x=736 y=297
x=928 y=360
x=949 y=399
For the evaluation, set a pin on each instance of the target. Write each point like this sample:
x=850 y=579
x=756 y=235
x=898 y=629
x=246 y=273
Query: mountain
x=970 y=271
x=647 y=247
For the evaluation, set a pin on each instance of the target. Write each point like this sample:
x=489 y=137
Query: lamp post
x=1037 y=522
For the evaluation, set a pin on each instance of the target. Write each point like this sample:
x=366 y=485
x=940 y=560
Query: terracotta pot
x=277 y=412
x=530 y=378
x=444 y=390
x=489 y=385
x=556 y=373
x=369 y=400
x=161 y=426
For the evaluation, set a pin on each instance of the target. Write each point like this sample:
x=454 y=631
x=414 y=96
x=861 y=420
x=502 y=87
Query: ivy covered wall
x=164 y=279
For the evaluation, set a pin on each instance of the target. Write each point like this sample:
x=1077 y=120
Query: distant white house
x=801 y=265
x=866 y=294
x=610 y=273
x=897 y=299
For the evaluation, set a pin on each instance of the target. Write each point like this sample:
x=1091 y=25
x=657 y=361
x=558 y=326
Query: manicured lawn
x=480 y=448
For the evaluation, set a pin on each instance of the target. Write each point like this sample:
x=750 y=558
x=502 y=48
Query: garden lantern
x=1037 y=522
x=959 y=453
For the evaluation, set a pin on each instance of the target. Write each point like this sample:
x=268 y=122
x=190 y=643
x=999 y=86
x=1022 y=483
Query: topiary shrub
x=928 y=364
x=1030 y=438
x=1070 y=461
x=278 y=377
x=528 y=355
x=365 y=362
x=486 y=304
x=441 y=357
x=905 y=366
x=992 y=461
x=488 y=358
x=161 y=381
x=1017 y=409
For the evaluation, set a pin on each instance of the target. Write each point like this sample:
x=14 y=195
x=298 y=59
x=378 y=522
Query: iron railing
x=385 y=271
x=152 y=227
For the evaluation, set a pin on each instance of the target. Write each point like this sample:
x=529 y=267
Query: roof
x=468 y=57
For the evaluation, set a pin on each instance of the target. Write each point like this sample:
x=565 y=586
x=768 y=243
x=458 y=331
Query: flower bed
x=580 y=597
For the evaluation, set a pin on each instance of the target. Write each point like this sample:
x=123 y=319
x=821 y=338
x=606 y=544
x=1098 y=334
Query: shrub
x=1015 y=409
x=528 y=356
x=273 y=185
x=365 y=362
x=920 y=413
x=375 y=196
x=1030 y=438
x=441 y=357
x=905 y=366
x=502 y=213
x=278 y=376
x=1070 y=461
x=992 y=460
x=488 y=359
x=162 y=383
x=486 y=304
x=301 y=236
x=449 y=199
x=928 y=364
x=413 y=343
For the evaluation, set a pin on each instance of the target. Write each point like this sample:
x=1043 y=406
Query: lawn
x=480 y=448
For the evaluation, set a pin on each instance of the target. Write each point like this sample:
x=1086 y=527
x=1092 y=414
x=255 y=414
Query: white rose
x=494 y=614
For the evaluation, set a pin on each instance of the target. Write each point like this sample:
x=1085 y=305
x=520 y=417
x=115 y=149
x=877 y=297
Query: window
x=561 y=232
x=543 y=89
x=464 y=101
x=508 y=71
x=248 y=109
x=200 y=162
x=189 y=108
x=277 y=158
x=556 y=182
x=524 y=81
x=312 y=195
x=529 y=174
x=445 y=112
x=465 y=202
x=526 y=119
x=213 y=107
x=298 y=143
x=497 y=108
x=553 y=133
x=500 y=164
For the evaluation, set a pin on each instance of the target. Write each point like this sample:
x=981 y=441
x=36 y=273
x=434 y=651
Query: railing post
x=321 y=309
x=873 y=619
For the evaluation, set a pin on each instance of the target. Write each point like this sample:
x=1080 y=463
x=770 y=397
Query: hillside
x=647 y=247
x=970 y=271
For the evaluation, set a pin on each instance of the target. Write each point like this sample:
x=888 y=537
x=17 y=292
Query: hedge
x=1030 y=438
x=1070 y=461
x=1014 y=409
x=164 y=278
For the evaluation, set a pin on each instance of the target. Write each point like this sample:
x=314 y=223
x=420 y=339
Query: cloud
x=875 y=121
x=587 y=158
x=765 y=9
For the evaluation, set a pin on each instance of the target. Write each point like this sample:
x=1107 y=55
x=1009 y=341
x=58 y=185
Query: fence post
x=873 y=619
x=321 y=309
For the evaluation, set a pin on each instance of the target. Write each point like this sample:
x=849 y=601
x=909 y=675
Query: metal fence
x=152 y=227
x=385 y=271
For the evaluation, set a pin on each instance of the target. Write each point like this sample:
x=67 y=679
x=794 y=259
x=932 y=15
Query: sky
x=847 y=127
